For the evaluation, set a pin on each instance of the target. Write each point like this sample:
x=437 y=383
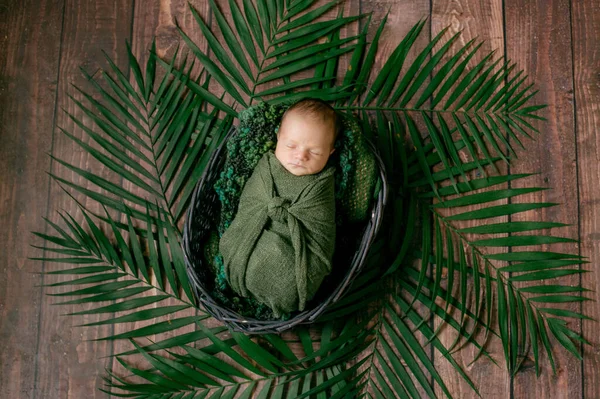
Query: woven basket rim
x=238 y=322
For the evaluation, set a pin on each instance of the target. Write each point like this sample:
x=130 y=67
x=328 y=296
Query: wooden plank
x=538 y=40
x=145 y=19
x=157 y=21
x=351 y=8
x=481 y=21
x=69 y=364
x=402 y=15
x=27 y=105
x=585 y=29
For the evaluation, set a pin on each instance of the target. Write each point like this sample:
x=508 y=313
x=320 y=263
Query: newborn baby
x=279 y=247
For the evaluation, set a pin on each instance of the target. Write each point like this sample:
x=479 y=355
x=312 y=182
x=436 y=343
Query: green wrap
x=280 y=245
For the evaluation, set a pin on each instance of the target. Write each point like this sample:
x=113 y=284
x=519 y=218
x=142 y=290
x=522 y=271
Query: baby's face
x=304 y=145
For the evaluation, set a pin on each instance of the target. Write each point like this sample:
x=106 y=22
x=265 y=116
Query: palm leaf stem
x=293 y=374
x=429 y=300
x=163 y=193
x=460 y=235
x=103 y=262
x=419 y=110
x=272 y=45
x=112 y=262
x=373 y=373
x=260 y=68
x=146 y=129
x=377 y=328
x=542 y=312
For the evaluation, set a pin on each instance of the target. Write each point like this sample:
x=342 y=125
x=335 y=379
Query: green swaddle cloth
x=280 y=245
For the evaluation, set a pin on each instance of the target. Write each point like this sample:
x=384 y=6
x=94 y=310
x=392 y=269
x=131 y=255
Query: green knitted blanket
x=280 y=245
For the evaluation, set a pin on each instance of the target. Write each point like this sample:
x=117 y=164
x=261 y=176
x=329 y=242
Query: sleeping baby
x=280 y=245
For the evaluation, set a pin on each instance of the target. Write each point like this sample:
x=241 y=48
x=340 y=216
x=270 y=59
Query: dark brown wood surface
x=481 y=21
x=29 y=74
x=535 y=31
x=44 y=43
x=156 y=21
x=69 y=363
x=585 y=31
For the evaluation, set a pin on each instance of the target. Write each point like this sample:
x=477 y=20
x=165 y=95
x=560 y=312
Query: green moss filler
x=355 y=180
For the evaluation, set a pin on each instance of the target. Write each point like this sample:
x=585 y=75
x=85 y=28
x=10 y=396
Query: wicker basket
x=202 y=216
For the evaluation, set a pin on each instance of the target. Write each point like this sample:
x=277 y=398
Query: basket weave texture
x=215 y=201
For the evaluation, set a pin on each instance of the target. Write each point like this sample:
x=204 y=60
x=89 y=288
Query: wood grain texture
x=69 y=364
x=156 y=21
x=146 y=18
x=28 y=71
x=585 y=21
x=481 y=21
x=401 y=17
x=538 y=39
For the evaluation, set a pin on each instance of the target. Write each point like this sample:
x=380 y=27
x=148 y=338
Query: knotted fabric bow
x=280 y=245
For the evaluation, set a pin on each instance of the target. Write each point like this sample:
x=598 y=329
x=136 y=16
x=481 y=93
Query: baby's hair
x=318 y=110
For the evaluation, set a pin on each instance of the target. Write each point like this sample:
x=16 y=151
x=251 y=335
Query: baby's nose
x=302 y=155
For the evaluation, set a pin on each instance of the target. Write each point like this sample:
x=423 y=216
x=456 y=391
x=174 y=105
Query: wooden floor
x=44 y=43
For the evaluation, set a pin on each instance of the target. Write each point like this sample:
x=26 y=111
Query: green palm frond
x=523 y=315
x=297 y=49
x=117 y=269
x=441 y=121
x=486 y=106
x=161 y=151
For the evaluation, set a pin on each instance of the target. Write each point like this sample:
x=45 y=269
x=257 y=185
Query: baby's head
x=306 y=136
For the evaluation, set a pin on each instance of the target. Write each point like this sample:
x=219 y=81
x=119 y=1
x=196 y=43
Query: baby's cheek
x=322 y=163
x=280 y=158
x=278 y=154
